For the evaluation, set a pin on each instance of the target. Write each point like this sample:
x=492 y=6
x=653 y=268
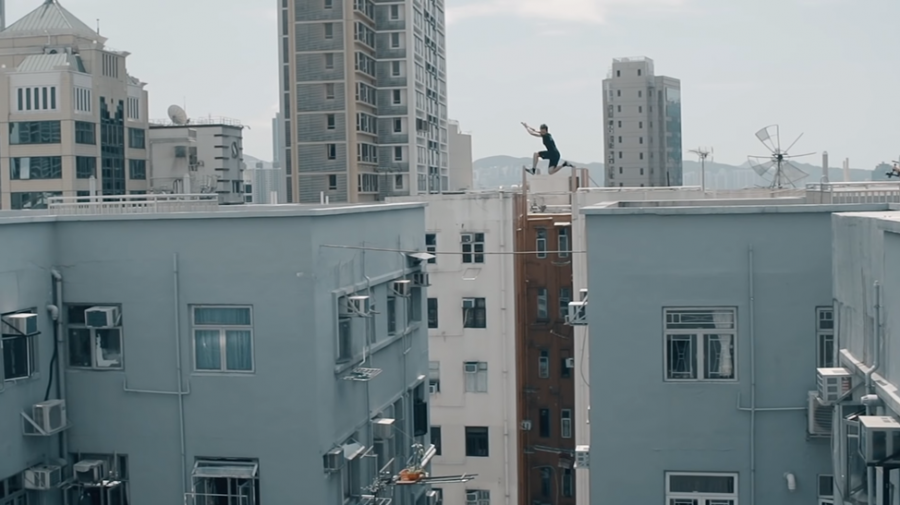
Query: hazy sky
x=829 y=68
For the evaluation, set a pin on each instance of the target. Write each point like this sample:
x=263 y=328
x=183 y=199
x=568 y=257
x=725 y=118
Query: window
x=639 y=72
x=563 y=242
x=85 y=133
x=136 y=138
x=329 y=30
x=619 y=108
x=546 y=481
x=331 y=151
x=395 y=69
x=330 y=121
x=618 y=73
x=826 y=489
x=565 y=423
x=398 y=127
x=436 y=439
x=345 y=340
x=85 y=167
x=327 y=4
x=568 y=483
x=134 y=108
x=13 y=492
x=544 y=364
x=396 y=97
x=329 y=61
x=640 y=140
x=640 y=124
x=44 y=167
x=474 y=313
x=564 y=371
x=640 y=109
x=432 y=312
x=36 y=98
x=395 y=41
x=32 y=199
x=434 y=376
x=137 y=170
x=701 y=489
x=226 y=481
x=544 y=423
x=19 y=352
x=431 y=247
x=398 y=182
x=541 y=243
x=34 y=132
x=475 y=376
x=395 y=12
x=329 y=91
x=477 y=442
x=473 y=247
x=391 y=315
x=700 y=344
x=223 y=339
x=824 y=337
x=332 y=182
x=398 y=153
x=93 y=348
x=565 y=296
x=542 y=312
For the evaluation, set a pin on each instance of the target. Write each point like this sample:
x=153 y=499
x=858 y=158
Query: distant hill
x=496 y=171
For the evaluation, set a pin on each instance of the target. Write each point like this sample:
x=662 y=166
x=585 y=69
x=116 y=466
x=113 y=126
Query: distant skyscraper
x=642 y=118
x=461 y=164
x=363 y=99
x=277 y=139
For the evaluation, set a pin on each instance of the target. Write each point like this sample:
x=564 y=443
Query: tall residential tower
x=642 y=114
x=363 y=99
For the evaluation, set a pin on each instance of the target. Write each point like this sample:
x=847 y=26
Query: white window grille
x=700 y=344
x=825 y=337
x=225 y=481
x=701 y=488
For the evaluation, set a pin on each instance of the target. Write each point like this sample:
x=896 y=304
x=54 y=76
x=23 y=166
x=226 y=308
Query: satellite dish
x=777 y=164
x=177 y=115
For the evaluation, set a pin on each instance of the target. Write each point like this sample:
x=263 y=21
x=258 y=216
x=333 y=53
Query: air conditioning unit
x=43 y=477
x=471 y=367
x=570 y=362
x=577 y=314
x=466 y=238
x=833 y=383
x=879 y=439
x=433 y=498
x=19 y=324
x=526 y=424
x=421 y=279
x=402 y=287
x=49 y=416
x=468 y=303
x=582 y=456
x=434 y=387
x=383 y=428
x=333 y=460
x=583 y=292
x=90 y=471
x=356 y=306
x=818 y=416
x=472 y=496
x=101 y=317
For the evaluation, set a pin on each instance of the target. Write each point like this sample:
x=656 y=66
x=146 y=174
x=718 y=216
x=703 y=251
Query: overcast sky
x=826 y=68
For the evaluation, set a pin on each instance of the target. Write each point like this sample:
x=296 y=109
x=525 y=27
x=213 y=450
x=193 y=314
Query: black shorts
x=552 y=156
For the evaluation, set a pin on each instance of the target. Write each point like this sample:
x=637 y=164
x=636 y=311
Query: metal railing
x=131 y=204
x=194 y=121
x=853 y=192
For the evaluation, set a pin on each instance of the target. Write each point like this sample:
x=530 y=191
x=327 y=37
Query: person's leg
x=539 y=155
x=554 y=163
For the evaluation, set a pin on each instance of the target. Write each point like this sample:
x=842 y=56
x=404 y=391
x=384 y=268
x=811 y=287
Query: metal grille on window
x=700 y=344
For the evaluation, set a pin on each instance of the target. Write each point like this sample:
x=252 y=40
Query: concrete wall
x=645 y=261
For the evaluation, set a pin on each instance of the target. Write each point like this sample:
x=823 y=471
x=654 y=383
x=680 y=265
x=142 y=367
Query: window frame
x=823 y=498
x=93 y=333
x=435 y=439
x=330 y=151
x=540 y=242
x=471 y=444
x=703 y=498
x=31 y=349
x=431 y=247
x=544 y=364
x=434 y=375
x=542 y=307
x=568 y=483
x=479 y=381
x=565 y=423
x=433 y=322
x=391 y=315
x=223 y=349
x=201 y=462
x=565 y=296
x=563 y=242
x=470 y=319
x=699 y=344
x=472 y=250
x=545 y=425
x=825 y=337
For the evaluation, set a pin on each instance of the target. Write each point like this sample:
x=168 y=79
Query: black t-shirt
x=549 y=143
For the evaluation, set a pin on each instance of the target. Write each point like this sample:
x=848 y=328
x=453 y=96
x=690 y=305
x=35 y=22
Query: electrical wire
x=437 y=253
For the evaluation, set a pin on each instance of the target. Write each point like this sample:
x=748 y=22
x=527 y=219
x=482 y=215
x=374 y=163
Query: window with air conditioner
x=701 y=488
x=431 y=246
x=825 y=337
x=91 y=347
x=544 y=364
x=18 y=339
x=112 y=468
x=474 y=313
x=476 y=377
x=223 y=339
x=12 y=491
x=434 y=377
x=472 y=247
x=565 y=423
x=436 y=439
x=700 y=344
x=225 y=481
x=477 y=442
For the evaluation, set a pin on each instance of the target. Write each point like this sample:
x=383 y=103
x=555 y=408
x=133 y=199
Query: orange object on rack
x=407 y=475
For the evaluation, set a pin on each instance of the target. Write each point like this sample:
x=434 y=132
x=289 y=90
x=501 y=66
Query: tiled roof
x=50 y=18
x=44 y=62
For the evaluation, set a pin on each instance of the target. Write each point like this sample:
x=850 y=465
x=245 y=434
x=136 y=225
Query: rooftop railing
x=132 y=204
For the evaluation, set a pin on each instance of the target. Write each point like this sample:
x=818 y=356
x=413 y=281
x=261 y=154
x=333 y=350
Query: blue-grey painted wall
x=289 y=412
x=642 y=426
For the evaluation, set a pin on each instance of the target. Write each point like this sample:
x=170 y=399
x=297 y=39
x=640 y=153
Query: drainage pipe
x=876 y=351
x=60 y=356
x=504 y=258
x=752 y=307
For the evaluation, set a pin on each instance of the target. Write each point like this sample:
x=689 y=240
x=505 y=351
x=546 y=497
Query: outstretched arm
x=531 y=131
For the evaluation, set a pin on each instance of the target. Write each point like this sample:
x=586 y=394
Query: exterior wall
x=661 y=426
x=461 y=165
x=546 y=473
x=135 y=411
x=452 y=345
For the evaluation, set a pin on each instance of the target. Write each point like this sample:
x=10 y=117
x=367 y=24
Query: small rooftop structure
x=50 y=18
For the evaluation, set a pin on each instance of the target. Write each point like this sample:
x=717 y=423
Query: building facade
x=190 y=378
x=72 y=111
x=716 y=340
x=461 y=163
x=364 y=98
x=642 y=114
x=264 y=184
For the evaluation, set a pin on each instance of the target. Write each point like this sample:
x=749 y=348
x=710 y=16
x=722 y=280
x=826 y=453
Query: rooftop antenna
x=702 y=153
x=177 y=115
x=825 y=167
x=778 y=165
x=98 y=26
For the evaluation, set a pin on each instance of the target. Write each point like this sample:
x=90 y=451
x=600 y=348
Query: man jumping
x=550 y=151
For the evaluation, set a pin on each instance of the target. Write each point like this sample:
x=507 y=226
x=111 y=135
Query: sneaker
x=530 y=170
x=567 y=164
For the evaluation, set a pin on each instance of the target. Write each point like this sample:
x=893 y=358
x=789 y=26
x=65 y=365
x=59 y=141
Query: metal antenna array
x=777 y=165
x=702 y=153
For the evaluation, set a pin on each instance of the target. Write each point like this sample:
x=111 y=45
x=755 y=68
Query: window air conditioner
x=101 y=317
x=818 y=417
x=471 y=367
x=90 y=471
x=465 y=238
x=383 y=428
x=421 y=279
x=582 y=456
x=49 y=416
x=433 y=387
x=19 y=324
x=468 y=303
x=570 y=362
x=433 y=498
x=333 y=460
x=583 y=292
x=577 y=314
x=879 y=439
x=43 y=477
x=402 y=287
x=356 y=306
x=472 y=496
x=833 y=383
x=526 y=424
